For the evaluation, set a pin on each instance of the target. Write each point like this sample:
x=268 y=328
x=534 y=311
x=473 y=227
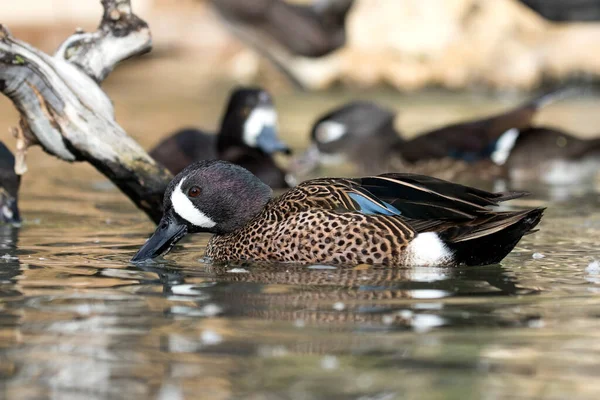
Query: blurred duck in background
x=501 y=146
x=247 y=137
x=9 y=188
x=281 y=31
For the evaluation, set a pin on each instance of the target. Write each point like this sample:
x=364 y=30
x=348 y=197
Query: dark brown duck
x=247 y=137
x=501 y=146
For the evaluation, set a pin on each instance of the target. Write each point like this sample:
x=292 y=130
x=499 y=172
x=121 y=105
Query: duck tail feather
x=506 y=196
x=493 y=247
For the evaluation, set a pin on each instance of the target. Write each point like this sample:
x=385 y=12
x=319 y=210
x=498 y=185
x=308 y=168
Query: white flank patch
x=504 y=146
x=427 y=249
x=184 y=207
x=329 y=131
x=258 y=119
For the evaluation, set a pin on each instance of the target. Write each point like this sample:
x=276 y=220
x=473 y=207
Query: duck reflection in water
x=378 y=296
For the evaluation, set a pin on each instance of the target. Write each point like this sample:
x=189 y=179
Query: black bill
x=169 y=231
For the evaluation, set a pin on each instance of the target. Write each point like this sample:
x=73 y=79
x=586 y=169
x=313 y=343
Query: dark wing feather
x=424 y=197
x=337 y=194
x=484 y=225
x=410 y=196
x=476 y=139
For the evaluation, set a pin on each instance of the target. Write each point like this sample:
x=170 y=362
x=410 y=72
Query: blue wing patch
x=369 y=207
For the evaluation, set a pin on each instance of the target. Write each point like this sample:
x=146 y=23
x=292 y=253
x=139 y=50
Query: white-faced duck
x=9 y=187
x=501 y=146
x=247 y=137
x=390 y=219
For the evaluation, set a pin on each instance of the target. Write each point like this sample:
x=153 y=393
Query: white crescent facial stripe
x=184 y=207
x=258 y=118
x=329 y=131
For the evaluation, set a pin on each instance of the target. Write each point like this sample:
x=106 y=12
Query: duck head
x=9 y=187
x=208 y=196
x=250 y=121
x=344 y=133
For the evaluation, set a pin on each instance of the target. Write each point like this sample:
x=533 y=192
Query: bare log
x=64 y=110
x=121 y=35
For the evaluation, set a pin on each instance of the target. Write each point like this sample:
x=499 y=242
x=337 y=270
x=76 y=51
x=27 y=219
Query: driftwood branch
x=64 y=110
x=121 y=35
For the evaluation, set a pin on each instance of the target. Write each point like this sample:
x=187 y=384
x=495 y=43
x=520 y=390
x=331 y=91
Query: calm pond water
x=77 y=320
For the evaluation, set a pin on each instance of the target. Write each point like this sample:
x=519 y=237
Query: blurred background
x=439 y=61
x=406 y=44
x=77 y=320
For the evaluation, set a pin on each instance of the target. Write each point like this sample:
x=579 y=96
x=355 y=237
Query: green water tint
x=78 y=321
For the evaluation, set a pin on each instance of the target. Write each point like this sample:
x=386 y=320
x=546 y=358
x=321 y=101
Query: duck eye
x=194 y=191
x=245 y=111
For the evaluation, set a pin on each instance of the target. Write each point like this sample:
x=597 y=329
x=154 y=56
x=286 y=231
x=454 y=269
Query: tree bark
x=64 y=110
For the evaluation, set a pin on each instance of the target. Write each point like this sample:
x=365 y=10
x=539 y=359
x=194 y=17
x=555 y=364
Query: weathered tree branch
x=64 y=110
x=121 y=35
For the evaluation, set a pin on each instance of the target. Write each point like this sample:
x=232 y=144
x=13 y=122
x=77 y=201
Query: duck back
x=183 y=148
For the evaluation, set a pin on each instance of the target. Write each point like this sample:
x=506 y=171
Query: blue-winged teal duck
x=390 y=219
x=247 y=137
x=363 y=133
x=9 y=187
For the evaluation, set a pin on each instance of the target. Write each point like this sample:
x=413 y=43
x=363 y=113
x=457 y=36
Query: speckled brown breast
x=295 y=228
x=315 y=236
